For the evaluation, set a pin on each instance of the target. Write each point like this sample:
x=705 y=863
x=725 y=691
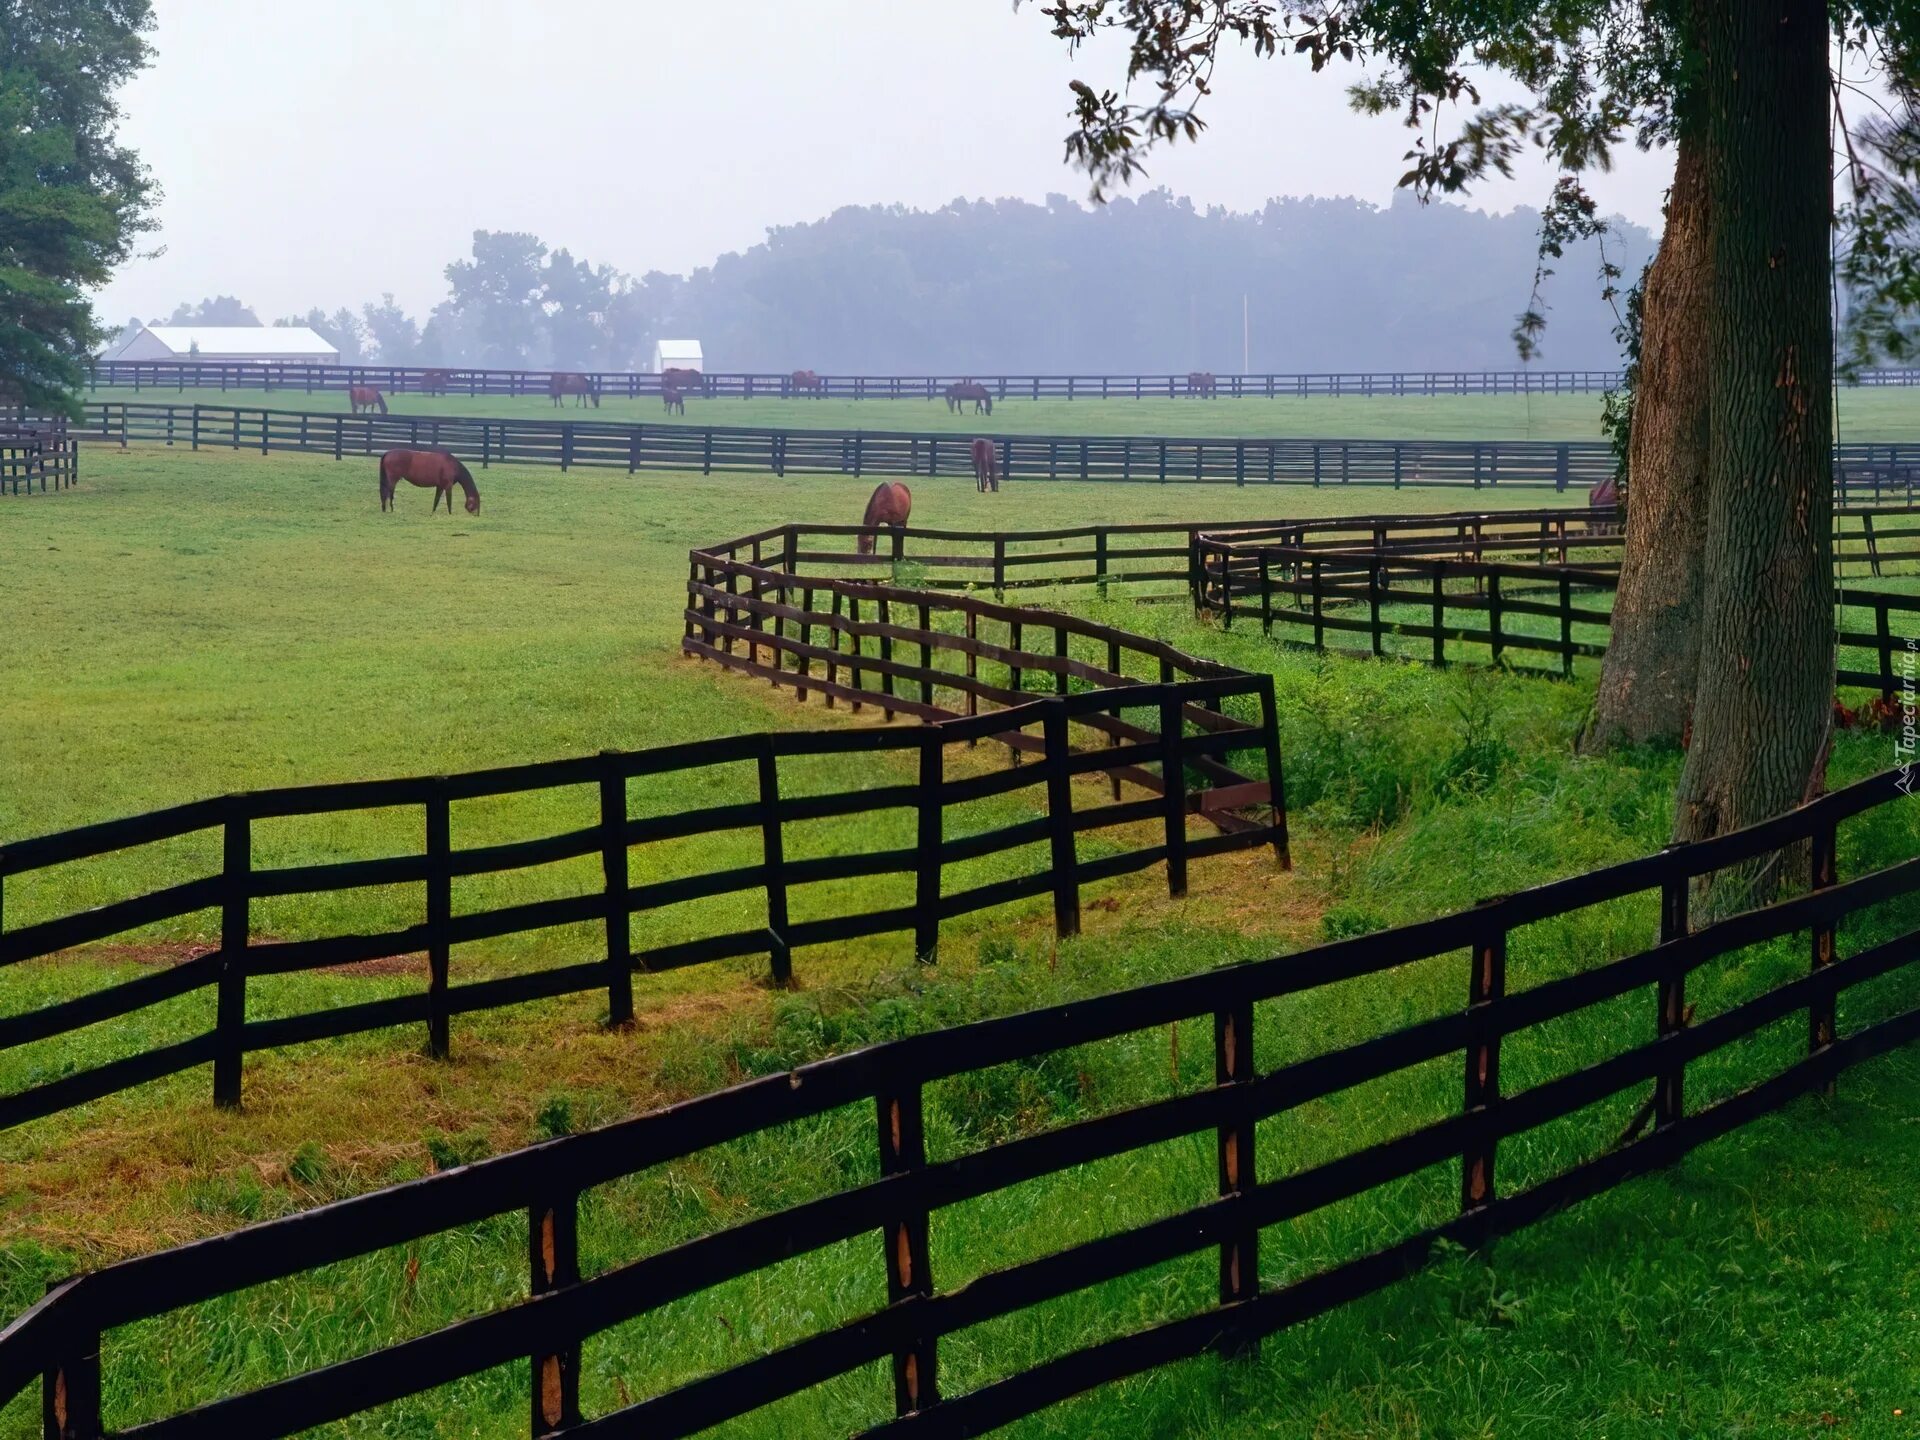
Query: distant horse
x=562 y=383
x=805 y=381
x=964 y=390
x=676 y=378
x=436 y=469
x=673 y=400
x=1605 y=496
x=435 y=382
x=1201 y=384
x=366 y=397
x=986 y=466
x=890 y=504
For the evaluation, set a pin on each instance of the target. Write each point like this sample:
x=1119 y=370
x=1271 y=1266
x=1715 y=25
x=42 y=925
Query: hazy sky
x=320 y=153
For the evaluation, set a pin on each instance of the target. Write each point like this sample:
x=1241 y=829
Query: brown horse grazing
x=962 y=391
x=675 y=378
x=435 y=382
x=1201 y=384
x=439 y=470
x=673 y=400
x=562 y=383
x=890 y=504
x=986 y=466
x=805 y=381
x=366 y=397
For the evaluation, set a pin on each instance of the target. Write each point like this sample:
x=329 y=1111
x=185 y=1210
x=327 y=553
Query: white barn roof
x=215 y=342
x=681 y=354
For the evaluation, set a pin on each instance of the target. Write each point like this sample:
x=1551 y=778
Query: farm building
x=250 y=344
x=678 y=355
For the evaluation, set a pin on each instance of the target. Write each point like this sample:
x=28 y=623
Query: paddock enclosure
x=177 y=375
x=1871 y=472
x=1543 y=1086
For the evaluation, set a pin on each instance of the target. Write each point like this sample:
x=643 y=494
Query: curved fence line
x=1864 y=470
x=62 y=1338
x=1175 y=732
x=754 y=385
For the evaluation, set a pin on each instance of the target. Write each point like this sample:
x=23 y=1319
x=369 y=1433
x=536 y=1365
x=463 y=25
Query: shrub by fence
x=37 y=450
x=63 y=1337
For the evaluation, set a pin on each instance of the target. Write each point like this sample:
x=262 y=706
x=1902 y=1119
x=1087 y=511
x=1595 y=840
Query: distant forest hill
x=1153 y=285
x=1145 y=284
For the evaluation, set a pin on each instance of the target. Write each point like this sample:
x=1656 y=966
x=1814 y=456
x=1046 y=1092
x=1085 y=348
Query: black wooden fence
x=1411 y=586
x=397 y=379
x=42 y=450
x=1865 y=471
x=63 y=1338
x=631 y=446
x=1139 y=722
x=465 y=380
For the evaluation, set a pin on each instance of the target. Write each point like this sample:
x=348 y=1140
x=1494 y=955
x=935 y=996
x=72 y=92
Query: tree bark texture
x=1653 y=650
x=1762 y=700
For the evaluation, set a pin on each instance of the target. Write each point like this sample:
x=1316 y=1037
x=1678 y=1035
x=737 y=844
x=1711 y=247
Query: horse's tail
x=380 y=400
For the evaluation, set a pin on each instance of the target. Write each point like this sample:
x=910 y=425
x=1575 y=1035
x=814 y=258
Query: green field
x=190 y=624
x=1882 y=414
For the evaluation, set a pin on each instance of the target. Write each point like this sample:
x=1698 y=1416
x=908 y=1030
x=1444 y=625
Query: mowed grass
x=1879 y=414
x=1764 y=1287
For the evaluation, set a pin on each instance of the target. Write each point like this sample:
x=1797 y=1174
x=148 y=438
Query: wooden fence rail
x=62 y=1339
x=1876 y=472
x=1432 y=582
x=1192 y=780
x=37 y=450
x=235 y=375
x=467 y=380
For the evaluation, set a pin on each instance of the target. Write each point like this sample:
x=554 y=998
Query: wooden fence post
x=903 y=1150
x=230 y=1013
x=930 y=837
x=1566 y=627
x=1820 y=1010
x=1066 y=880
x=1173 y=781
x=1319 y=616
x=1493 y=615
x=926 y=655
x=70 y=1393
x=1883 y=636
x=1486 y=984
x=1669 y=1096
x=553 y=1254
x=773 y=858
x=613 y=866
x=1240 y=1244
x=1376 y=632
x=1439 y=618
x=439 y=913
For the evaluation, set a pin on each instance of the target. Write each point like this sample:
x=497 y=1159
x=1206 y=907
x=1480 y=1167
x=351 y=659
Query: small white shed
x=231 y=344
x=678 y=355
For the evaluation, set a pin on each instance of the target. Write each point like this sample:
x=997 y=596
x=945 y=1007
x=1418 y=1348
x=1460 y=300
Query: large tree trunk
x=1762 y=702
x=1653 y=651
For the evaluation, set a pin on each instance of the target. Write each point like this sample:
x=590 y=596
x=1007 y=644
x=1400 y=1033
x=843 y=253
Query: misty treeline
x=1141 y=284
